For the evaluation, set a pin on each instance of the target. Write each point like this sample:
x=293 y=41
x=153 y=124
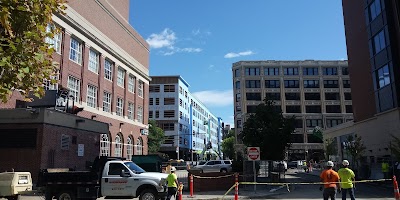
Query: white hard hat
x=173 y=169
x=329 y=164
x=345 y=162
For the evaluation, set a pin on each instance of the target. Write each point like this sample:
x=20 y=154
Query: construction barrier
x=180 y=190
x=396 y=189
x=236 y=186
x=191 y=186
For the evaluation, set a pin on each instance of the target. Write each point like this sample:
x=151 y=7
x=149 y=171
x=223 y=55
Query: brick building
x=103 y=64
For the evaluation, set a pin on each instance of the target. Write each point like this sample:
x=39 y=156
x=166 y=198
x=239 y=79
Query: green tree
x=155 y=137
x=231 y=133
x=395 y=147
x=26 y=59
x=355 y=148
x=330 y=147
x=228 y=147
x=268 y=129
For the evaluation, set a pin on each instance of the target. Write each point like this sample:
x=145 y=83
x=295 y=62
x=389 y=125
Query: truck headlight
x=163 y=182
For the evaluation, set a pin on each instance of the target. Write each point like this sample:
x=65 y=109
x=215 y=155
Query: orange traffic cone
x=396 y=189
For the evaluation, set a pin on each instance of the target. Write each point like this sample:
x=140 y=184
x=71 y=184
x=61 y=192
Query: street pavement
x=364 y=191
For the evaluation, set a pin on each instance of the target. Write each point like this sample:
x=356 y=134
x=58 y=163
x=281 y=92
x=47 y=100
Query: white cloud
x=164 y=39
x=243 y=53
x=190 y=50
x=200 y=33
x=215 y=98
x=173 y=50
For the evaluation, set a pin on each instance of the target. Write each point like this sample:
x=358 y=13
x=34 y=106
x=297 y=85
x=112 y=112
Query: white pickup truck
x=109 y=177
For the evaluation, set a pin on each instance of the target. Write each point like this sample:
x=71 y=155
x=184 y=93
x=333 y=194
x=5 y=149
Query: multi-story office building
x=189 y=126
x=317 y=93
x=372 y=35
x=103 y=67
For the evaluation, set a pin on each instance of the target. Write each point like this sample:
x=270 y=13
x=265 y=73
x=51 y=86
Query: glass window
x=129 y=148
x=310 y=71
x=238 y=97
x=169 y=88
x=349 y=109
x=292 y=96
x=131 y=84
x=383 y=76
x=333 y=122
x=121 y=77
x=291 y=84
x=131 y=108
x=256 y=96
x=293 y=109
x=312 y=96
x=169 y=101
x=272 y=84
x=120 y=107
x=139 y=146
x=104 y=145
x=106 y=102
x=311 y=123
x=291 y=71
x=49 y=84
x=75 y=52
x=93 y=61
x=237 y=72
x=108 y=70
x=311 y=83
x=55 y=42
x=253 y=84
x=374 y=9
x=118 y=147
x=91 y=97
x=345 y=71
x=140 y=89
x=379 y=42
x=347 y=96
x=331 y=84
x=255 y=71
x=330 y=71
x=237 y=84
x=154 y=88
x=140 y=114
x=74 y=87
x=313 y=109
x=332 y=96
x=333 y=109
x=273 y=96
x=346 y=83
x=271 y=71
x=116 y=168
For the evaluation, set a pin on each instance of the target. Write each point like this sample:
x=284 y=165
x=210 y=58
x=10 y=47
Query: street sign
x=253 y=153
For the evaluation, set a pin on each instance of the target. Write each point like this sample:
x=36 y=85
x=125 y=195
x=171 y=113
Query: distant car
x=292 y=164
x=214 y=166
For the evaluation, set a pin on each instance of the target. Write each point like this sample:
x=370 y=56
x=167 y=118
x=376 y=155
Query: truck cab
x=125 y=178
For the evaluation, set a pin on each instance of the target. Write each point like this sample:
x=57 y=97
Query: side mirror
x=124 y=173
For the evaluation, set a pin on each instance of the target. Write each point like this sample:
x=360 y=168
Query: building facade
x=191 y=129
x=372 y=30
x=103 y=67
x=317 y=93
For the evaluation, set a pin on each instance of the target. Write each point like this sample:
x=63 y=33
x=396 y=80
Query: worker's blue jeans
x=351 y=193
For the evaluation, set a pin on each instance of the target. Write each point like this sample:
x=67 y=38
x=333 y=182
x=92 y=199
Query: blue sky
x=200 y=40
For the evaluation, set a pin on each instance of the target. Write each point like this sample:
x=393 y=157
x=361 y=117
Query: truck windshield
x=132 y=166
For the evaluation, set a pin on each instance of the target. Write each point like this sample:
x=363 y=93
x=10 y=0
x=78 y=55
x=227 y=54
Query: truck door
x=113 y=183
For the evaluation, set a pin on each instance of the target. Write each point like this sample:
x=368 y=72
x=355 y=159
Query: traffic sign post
x=253 y=153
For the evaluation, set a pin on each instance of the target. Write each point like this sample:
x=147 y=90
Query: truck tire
x=223 y=170
x=15 y=197
x=148 y=194
x=66 y=195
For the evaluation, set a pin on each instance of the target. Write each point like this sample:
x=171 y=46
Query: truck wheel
x=224 y=170
x=66 y=196
x=148 y=194
x=15 y=197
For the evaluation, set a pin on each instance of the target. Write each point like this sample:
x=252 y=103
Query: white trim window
x=54 y=42
x=75 y=52
x=48 y=85
x=129 y=148
x=120 y=107
x=74 y=87
x=93 y=61
x=140 y=89
x=118 y=146
x=91 y=97
x=107 y=102
x=140 y=114
x=121 y=77
x=108 y=67
x=139 y=147
x=131 y=109
x=131 y=84
x=104 y=145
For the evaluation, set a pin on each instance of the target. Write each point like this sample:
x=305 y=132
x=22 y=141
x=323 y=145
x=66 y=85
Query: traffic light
x=209 y=146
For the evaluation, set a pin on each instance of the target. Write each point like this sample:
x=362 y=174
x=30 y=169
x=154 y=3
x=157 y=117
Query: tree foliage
x=155 y=137
x=26 y=59
x=330 y=147
x=355 y=148
x=395 y=147
x=228 y=147
x=268 y=129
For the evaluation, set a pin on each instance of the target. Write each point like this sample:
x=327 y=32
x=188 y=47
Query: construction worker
x=385 y=169
x=172 y=181
x=347 y=177
x=330 y=178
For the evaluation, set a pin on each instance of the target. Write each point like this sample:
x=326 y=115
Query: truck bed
x=68 y=177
